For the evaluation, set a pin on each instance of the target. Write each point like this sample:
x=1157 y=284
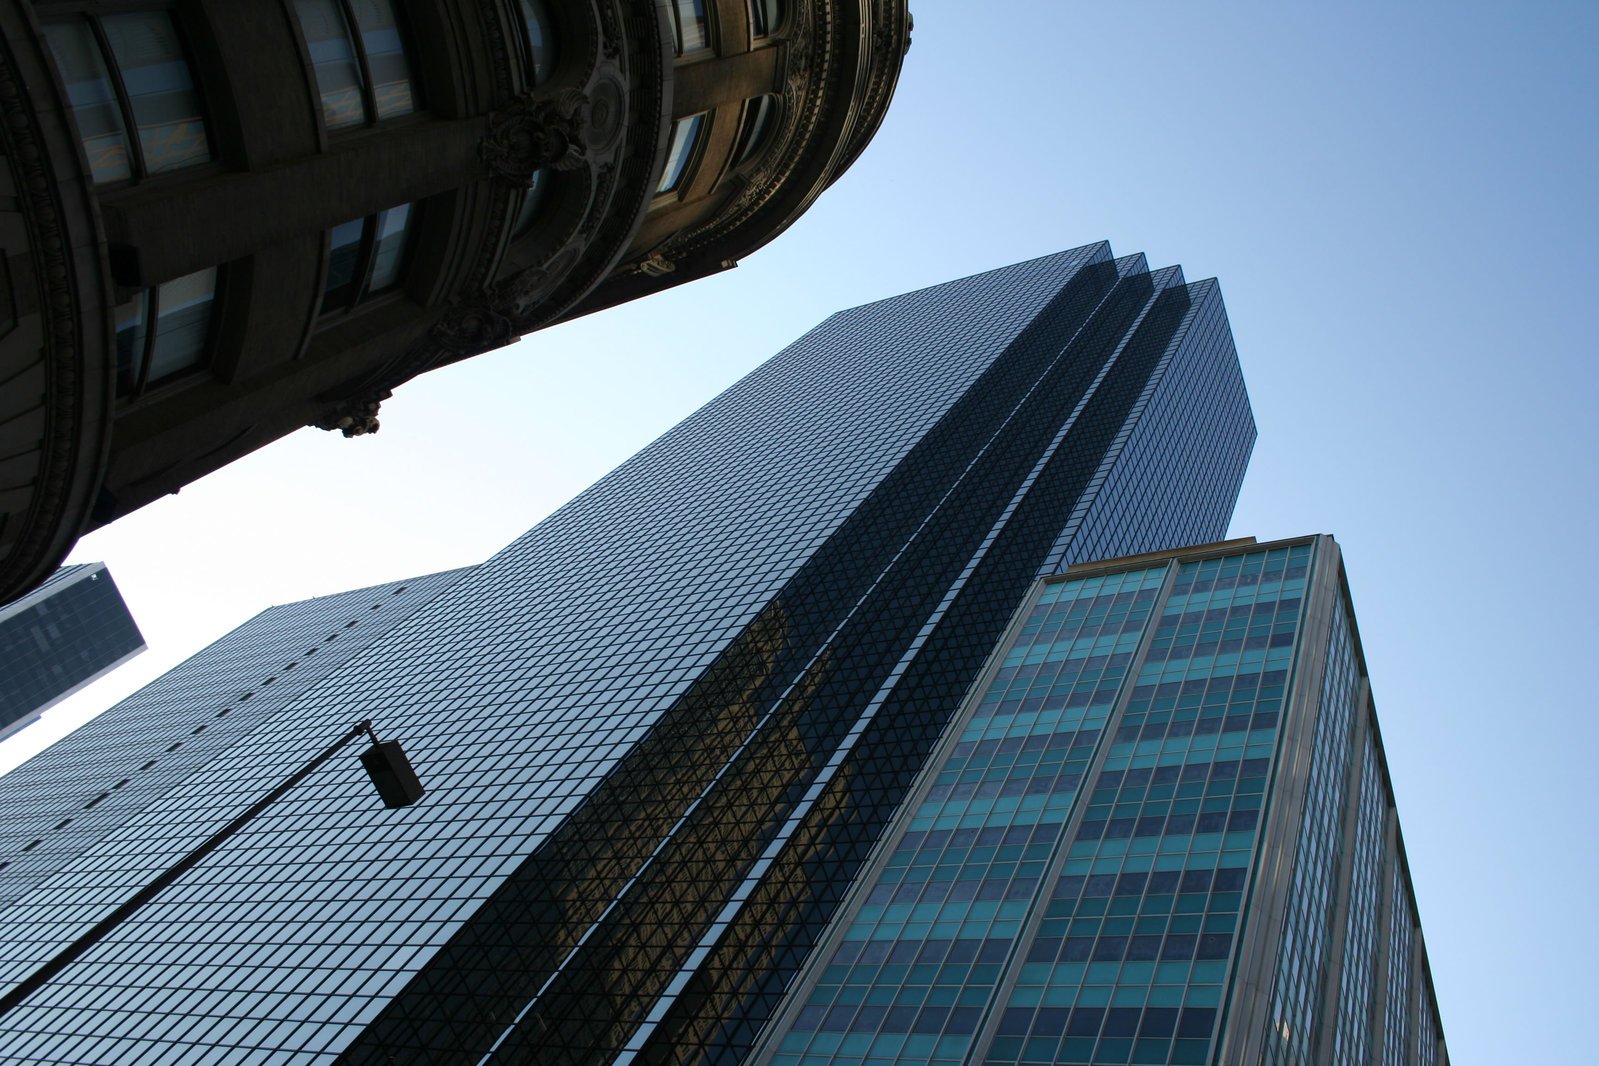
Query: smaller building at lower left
x=71 y=630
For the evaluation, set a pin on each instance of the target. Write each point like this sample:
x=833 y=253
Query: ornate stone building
x=225 y=219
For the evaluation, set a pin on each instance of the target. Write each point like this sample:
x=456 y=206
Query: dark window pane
x=759 y=118
x=183 y=323
x=130 y=343
x=344 y=255
x=765 y=16
x=338 y=77
x=161 y=93
x=685 y=132
x=693 y=32
x=392 y=93
x=387 y=254
x=536 y=28
x=92 y=99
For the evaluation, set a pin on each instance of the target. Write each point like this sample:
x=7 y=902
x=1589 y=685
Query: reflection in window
x=685 y=135
x=180 y=311
x=691 y=30
x=532 y=200
x=128 y=72
x=365 y=257
x=359 y=59
x=760 y=116
x=765 y=16
x=538 y=39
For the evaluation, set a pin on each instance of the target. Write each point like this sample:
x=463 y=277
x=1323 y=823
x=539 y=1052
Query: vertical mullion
x=152 y=308
x=124 y=104
x=368 y=95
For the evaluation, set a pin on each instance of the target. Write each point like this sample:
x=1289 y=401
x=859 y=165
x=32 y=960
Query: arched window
x=359 y=59
x=685 y=138
x=128 y=72
x=760 y=118
x=164 y=331
x=366 y=257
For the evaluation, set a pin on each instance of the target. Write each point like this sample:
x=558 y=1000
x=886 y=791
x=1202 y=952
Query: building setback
x=1161 y=830
x=660 y=732
x=71 y=630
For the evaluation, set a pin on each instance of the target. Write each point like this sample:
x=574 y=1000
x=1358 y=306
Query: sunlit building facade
x=1160 y=830
x=659 y=733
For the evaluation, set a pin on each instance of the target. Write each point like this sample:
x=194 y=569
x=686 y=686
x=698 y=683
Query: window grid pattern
x=1352 y=1039
x=1146 y=310
x=924 y=952
x=61 y=640
x=1195 y=465
x=1401 y=941
x=684 y=706
x=526 y=686
x=58 y=807
x=1130 y=958
x=907 y=982
x=1426 y=1029
x=1302 y=964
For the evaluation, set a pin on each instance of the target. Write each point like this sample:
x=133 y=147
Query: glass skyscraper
x=68 y=632
x=1160 y=830
x=660 y=733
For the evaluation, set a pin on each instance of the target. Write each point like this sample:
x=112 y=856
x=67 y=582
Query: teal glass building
x=1160 y=830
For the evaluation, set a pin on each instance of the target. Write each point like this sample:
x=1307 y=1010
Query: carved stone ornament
x=532 y=133
x=473 y=328
x=656 y=265
x=354 y=417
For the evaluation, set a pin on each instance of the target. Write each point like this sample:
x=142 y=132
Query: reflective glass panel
x=386 y=258
x=183 y=323
x=685 y=132
x=385 y=58
x=92 y=99
x=338 y=76
x=344 y=254
x=130 y=343
x=693 y=30
x=161 y=93
x=540 y=41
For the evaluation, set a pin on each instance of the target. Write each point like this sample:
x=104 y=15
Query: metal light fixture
x=385 y=764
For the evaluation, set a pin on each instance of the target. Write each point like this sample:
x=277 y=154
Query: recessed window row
x=129 y=87
x=357 y=53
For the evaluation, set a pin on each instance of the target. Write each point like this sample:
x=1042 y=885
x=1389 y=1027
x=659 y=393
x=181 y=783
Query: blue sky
x=1399 y=202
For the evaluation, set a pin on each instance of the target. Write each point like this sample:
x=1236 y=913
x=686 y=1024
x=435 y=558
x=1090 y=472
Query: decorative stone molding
x=534 y=132
x=355 y=417
x=471 y=327
x=38 y=200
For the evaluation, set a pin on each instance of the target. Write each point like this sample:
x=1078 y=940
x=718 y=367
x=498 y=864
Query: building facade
x=1161 y=830
x=223 y=220
x=68 y=632
x=660 y=732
